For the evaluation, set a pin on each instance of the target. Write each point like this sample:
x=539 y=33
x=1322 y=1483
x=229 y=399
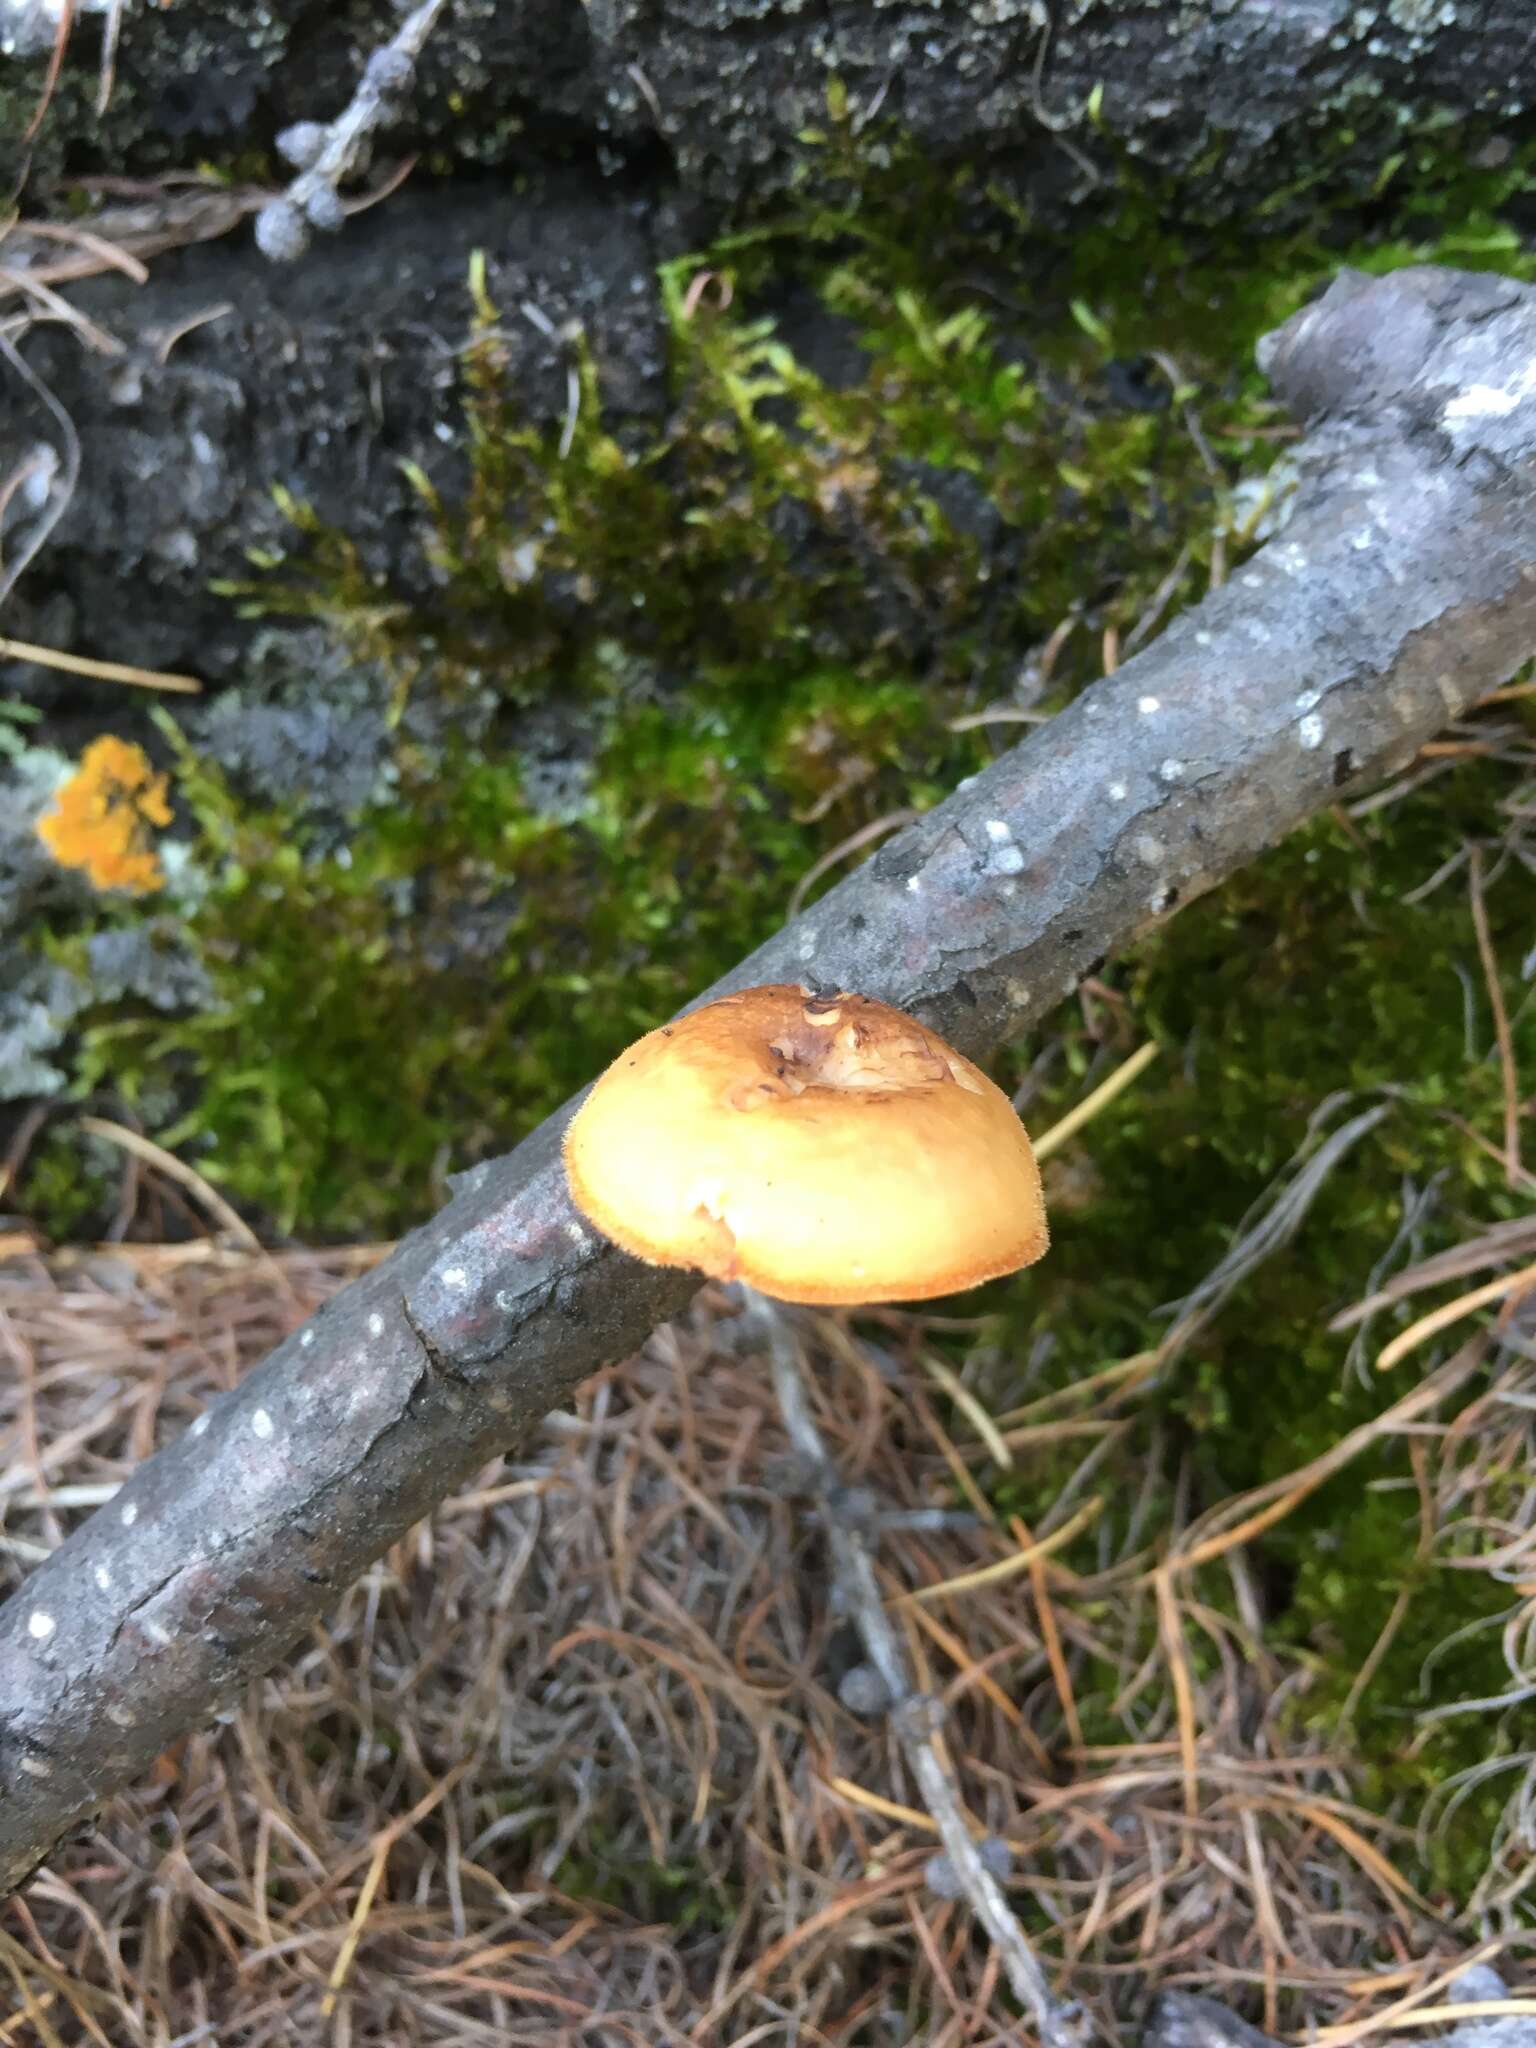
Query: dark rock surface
x=321 y=382
x=1236 y=96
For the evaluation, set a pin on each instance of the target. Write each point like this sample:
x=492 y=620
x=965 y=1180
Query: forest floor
x=571 y=1763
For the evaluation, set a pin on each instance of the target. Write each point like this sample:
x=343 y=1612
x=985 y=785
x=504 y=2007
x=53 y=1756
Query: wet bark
x=1403 y=586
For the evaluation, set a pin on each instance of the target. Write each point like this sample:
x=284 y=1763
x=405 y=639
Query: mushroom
x=817 y=1147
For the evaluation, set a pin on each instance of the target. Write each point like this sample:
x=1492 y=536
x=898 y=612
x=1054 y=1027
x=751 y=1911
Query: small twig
x=177 y=1170
x=54 y=307
x=1452 y=1312
x=61 y=484
x=1279 y=1218
x=1031 y=1554
x=103 y=671
x=875 y=829
x=326 y=154
x=105 y=252
x=358 y=1922
x=914 y=1715
x=1503 y=1241
x=974 y=1410
x=111 y=33
x=1000 y=714
x=1128 y=1071
x=66 y=22
x=1157 y=604
x=1045 y=1610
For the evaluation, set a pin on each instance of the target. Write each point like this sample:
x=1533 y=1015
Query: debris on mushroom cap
x=822 y=1148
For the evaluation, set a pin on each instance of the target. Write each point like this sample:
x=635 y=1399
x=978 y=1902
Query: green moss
x=68 y=1183
x=675 y=1895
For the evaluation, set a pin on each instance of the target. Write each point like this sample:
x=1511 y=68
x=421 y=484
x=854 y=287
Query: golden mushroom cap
x=820 y=1148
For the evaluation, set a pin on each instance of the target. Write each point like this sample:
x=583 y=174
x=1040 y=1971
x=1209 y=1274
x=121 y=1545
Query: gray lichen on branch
x=1402 y=587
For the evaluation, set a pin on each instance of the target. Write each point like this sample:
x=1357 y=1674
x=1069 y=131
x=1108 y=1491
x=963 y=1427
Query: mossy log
x=1402 y=588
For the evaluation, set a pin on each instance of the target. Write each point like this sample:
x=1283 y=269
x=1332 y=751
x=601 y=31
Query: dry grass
x=570 y=1764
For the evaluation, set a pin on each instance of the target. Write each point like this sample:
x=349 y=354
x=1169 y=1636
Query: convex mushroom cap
x=820 y=1148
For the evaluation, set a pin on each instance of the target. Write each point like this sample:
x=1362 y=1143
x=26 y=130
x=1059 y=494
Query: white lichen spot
x=1310 y=732
x=36 y=1768
x=1148 y=705
x=1008 y=860
x=1252 y=582
x=1309 y=700
x=1362 y=538
x=455 y=1276
x=914 y=885
x=199 y=1424
x=261 y=1424
x=157 y=1632
x=120 y=1717
x=130 y=1515
x=1159 y=900
x=103 y=1578
x=40 y=1626
x=1117 y=792
x=1017 y=992
x=999 y=831
x=1202 y=638
x=575 y=1233
x=1171 y=770
x=506 y=1300
x=807 y=946
x=1480 y=402
x=1147 y=849
x=375 y=1326
x=306 y=1338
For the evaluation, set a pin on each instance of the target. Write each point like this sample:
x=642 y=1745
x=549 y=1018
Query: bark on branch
x=1403 y=587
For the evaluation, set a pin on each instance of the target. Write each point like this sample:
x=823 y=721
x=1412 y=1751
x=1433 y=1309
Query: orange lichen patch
x=104 y=814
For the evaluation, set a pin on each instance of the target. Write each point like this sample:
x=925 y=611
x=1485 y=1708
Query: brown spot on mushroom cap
x=821 y=1149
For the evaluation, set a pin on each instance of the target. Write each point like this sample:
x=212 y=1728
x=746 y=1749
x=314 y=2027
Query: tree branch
x=1403 y=586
